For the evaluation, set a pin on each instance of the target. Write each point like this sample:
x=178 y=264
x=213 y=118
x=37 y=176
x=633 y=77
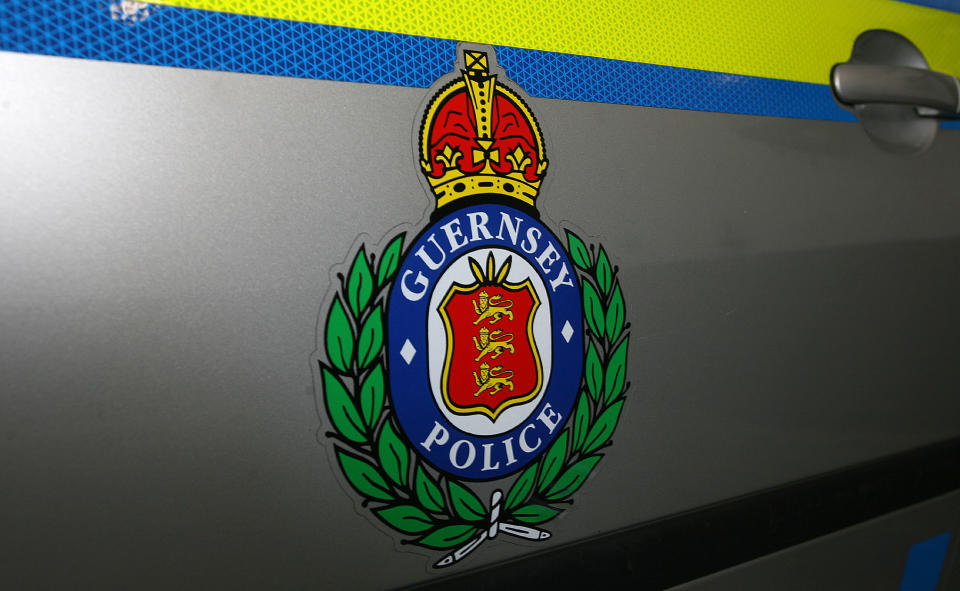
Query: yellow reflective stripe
x=787 y=39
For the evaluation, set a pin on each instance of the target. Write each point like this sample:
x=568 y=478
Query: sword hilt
x=510 y=529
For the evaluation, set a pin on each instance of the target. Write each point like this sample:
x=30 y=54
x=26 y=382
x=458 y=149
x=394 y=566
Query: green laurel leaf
x=604 y=273
x=616 y=372
x=448 y=536
x=340 y=408
x=364 y=477
x=428 y=493
x=572 y=478
x=465 y=504
x=359 y=283
x=614 y=318
x=581 y=422
x=555 y=478
x=592 y=309
x=578 y=251
x=389 y=260
x=603 y=428
x=371 y=396
x=593 y=371
x=535 y=513
x=521 y=487
x=405 y=518
x=371 y=338
x=339 y=337
x=393 y=454
x=553 y=461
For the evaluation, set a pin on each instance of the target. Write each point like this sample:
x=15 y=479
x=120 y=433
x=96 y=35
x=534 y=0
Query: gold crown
x=479 y=138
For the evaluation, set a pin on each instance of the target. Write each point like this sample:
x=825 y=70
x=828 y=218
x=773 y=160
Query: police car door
x=368 y=296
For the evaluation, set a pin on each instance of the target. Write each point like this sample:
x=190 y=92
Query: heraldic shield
x=491 y=361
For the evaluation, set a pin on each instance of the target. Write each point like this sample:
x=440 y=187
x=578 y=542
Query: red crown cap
x=479 y=138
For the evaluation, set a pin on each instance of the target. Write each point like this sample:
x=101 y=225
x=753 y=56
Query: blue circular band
x=430 y=434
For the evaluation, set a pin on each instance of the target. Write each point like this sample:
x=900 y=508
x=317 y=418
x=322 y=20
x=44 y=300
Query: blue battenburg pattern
x=948 y=5
x=198 y=39
x=205 y=40
x=580 y=78
x=924 y=564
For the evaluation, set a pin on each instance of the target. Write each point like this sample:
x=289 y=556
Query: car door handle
x=855 y=84
x=889 y=86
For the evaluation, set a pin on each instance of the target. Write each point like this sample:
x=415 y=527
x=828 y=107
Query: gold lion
x=490 y=342
x=495 y=378
x=493 y=308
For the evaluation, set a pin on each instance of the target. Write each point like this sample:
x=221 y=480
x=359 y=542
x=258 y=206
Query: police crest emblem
x=484 y=356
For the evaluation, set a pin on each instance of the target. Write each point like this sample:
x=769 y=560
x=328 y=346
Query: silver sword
x=510 y=529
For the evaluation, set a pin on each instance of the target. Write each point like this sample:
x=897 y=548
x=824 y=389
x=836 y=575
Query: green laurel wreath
x=434 y=510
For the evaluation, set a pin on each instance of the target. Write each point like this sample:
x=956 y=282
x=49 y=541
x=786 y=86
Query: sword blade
x=522 y=531
x=461 y=552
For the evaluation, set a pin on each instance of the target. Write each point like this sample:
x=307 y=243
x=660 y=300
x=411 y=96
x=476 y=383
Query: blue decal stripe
x=554 y=75
x=924 y=564
x=199 y=39
x=948 y=5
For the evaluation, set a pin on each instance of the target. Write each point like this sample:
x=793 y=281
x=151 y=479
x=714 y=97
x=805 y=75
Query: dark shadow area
x=693 y=544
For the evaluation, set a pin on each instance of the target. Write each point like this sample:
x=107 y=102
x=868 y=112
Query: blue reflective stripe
x=199 y=39
x=948 y=5
x=204 y=40
x=924 y=564
x=574 y=77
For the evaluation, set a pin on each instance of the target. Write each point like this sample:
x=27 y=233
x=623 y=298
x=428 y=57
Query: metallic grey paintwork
x=166 y=242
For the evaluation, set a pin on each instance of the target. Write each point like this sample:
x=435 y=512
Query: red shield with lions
x=491 y=362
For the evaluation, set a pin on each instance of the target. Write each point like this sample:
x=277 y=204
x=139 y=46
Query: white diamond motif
x=408 y=351
x=566 y=331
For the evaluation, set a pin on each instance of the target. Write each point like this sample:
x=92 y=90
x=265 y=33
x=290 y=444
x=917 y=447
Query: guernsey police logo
x=469 y=380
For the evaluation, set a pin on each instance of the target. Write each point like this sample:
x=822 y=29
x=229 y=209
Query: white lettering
x=550 y=418
x=427 y=260
x=471 y=453
x=530 y=244
x=506 y=224
x=478 y=225
x=523 y=439
x=562 y=279
x=438 y=435
x=508 y=445
x=454 y=236
x=487 y=447
x=548 y=257
x=420 y=281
